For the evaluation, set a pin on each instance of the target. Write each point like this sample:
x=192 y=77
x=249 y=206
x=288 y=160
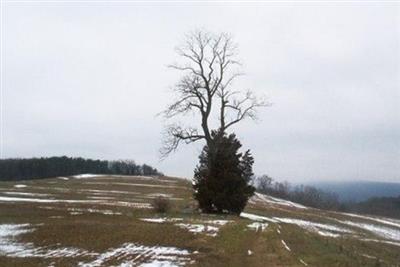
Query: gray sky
x=88 y=80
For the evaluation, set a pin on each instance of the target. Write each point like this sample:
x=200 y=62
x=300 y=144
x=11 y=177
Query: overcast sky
x=88 y=80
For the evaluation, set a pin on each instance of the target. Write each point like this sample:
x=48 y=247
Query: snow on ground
x=382 y=231
x=327 y=233
x=26 y=194
x=10 y=247
x=63 y=178
x=273 y=200
x=161 y=220
x=257 y=225
x=37 y=200
x=137 y=205
x=19 y=186
x=101 y=198
x=387 y=221
x=107 y=191
x=7 y=234
x=218 y=222
x=87 y=175
x=199 y=228
x=155 y=263
x=303 y=262
x=154 y=220
x=148 y=185
x=105 y=212
x=322 y=229
x=160 y=195
x=285 y=245
x=255 y=217
x=381 y=241
x=139 y=253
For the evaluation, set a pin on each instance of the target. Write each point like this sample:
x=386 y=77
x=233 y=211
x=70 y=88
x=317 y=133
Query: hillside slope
x=90 y=220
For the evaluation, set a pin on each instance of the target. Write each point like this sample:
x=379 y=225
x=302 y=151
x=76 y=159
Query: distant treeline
x=382 y=206
x=313 y=197
x=35 y=168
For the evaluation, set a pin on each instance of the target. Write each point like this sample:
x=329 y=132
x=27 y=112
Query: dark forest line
x=14 y=169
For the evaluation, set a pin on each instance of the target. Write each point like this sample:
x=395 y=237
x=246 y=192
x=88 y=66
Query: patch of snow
x=327 y=233
x=150 y=185
x=26 y=194
x=161 y=220
x=368 y=256
x=19 y=186
x=285 y=245
x=41 y=200
x=385 y=232
x=142 y=253
x=218 y=222
x=249 y=252
x=105 y=212
x=381 y=241
x=277 y=201
x=63 y=178
x=101 y=198
x=11 y=248
x=255 y=217
x=137 y=205
x=257 y=225
x=387 y=221
x=322 y=229
x=199 y=228
x=154 y=220
x=278 y=231
x=87 y=175
x=7 y=233
x=160 y=195
x=107 y=191
x=303 y=262
x=157 y=263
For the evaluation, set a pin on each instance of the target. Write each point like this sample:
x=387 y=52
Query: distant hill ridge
x=360 y=190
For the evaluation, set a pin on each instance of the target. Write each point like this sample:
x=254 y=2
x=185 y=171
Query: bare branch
x=244 y=108
x=209 y=67
x=174 y=135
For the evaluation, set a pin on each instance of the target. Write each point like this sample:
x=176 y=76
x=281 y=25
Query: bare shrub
x=161 y=204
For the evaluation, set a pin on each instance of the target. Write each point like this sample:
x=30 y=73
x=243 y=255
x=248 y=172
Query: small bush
x=161 y=204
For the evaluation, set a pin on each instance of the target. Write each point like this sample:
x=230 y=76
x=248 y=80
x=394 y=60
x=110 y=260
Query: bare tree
x=209 y=67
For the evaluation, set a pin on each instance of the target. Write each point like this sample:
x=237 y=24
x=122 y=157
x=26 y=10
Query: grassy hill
x=108 y=221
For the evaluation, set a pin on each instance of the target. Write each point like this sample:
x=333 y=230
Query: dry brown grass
x=73 y=225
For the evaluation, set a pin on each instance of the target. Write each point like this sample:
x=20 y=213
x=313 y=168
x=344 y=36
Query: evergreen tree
x=221 y=179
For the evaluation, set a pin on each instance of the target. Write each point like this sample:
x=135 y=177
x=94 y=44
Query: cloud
x=88 y=80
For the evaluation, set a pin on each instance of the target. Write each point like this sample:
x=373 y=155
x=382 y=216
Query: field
x=90 y=220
